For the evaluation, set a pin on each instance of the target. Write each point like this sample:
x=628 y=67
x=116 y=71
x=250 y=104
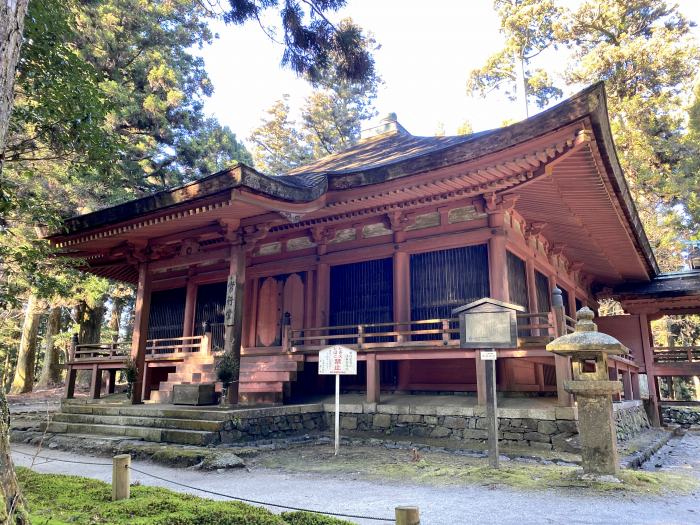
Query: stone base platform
x=534 y=422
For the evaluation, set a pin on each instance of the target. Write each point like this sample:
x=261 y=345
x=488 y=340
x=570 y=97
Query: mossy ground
x=61 y=500
x=437 y=468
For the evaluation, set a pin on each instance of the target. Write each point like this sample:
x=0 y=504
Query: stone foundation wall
x=681 y=415
x=553 y=428
x=630 y=419
x=542 y=429
x=273 y=423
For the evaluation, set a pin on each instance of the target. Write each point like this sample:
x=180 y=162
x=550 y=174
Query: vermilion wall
x=627 y=329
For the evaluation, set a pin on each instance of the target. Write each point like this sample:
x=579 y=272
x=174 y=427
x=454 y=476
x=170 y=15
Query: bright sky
x=427 y=51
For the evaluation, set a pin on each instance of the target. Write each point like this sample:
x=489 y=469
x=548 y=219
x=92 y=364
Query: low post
x=594 y=391
x=407 y=516
x=121 y=476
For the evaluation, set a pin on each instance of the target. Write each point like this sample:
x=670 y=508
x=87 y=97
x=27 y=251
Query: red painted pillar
x=531 y=287
x=323 y=274
x=190 y=302
x=498 y=284
x=402 y=309
x=233 y=313
x=373 y=384
x=140 y=335
x=654 y=411
x=498 y=269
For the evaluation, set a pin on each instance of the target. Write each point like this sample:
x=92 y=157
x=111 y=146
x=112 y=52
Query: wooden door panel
x=269 y=313
x=294 y=300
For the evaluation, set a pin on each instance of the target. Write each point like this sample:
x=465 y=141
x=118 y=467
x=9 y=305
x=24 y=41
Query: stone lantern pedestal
x=589 y=351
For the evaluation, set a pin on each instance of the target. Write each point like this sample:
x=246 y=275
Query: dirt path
x=439 y=504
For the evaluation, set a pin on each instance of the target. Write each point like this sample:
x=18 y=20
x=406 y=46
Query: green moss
x=450 y=469
x=179 y=457
x=62 y=500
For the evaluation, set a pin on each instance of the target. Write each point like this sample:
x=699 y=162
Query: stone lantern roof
x=586 y=342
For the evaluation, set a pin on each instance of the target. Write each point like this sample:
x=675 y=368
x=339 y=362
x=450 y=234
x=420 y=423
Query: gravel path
x=438 y=505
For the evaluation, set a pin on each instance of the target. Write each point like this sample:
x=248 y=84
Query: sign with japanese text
x=337 y=360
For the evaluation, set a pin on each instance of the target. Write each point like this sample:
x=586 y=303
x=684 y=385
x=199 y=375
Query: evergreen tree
x=331 y=121
x=645 y=52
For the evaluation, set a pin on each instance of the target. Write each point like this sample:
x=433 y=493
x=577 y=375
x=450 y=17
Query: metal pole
x=491 y=412
x=337 y=413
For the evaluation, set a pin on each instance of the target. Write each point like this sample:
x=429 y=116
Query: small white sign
x=488 y=355
x=338 y=360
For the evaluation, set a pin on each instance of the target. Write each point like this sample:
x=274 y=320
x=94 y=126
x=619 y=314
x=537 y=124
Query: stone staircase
x=193 y=370
x=185 y=426
x=266 y=379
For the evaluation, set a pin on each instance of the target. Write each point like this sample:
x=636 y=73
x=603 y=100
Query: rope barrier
x=214 y=493
x=256 y=502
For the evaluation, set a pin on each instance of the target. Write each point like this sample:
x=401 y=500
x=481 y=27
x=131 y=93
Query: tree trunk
x=12 y=506
x=26 y=358
x=51 y=369
x=115 y=319
x=90 y=319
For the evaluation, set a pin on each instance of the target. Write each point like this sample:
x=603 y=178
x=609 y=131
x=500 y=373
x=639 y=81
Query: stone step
x=255 y=376
x=160 y=435
x=160 y=396
x=278 y=366
x=199 y=413
x=262 y=386
x=141 y=421
x=271 y=358
x=193 y=377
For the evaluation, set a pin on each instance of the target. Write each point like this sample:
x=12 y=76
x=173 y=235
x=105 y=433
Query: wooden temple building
x=373 y=248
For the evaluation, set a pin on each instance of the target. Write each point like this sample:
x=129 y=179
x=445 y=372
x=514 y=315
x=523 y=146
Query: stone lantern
x=589 y=351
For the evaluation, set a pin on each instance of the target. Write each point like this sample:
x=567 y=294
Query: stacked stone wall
x=273 y=423
x=681 y=415
x=542 y=429
x=630 y=419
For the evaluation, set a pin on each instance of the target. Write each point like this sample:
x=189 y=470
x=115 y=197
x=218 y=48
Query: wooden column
x=498 y=284
x=627 y=385
x=562 y=364
x=634 y=377
x=111 y=381
x=190 y=303
x=532 y=287
x=233 y=314
x=572 y=302
x=498 y=268
x=373 y=383
x=71 y=373
x=323 y=283
x=402 y=309
x=654 y=411
x=95 y=382
x=140 y=334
